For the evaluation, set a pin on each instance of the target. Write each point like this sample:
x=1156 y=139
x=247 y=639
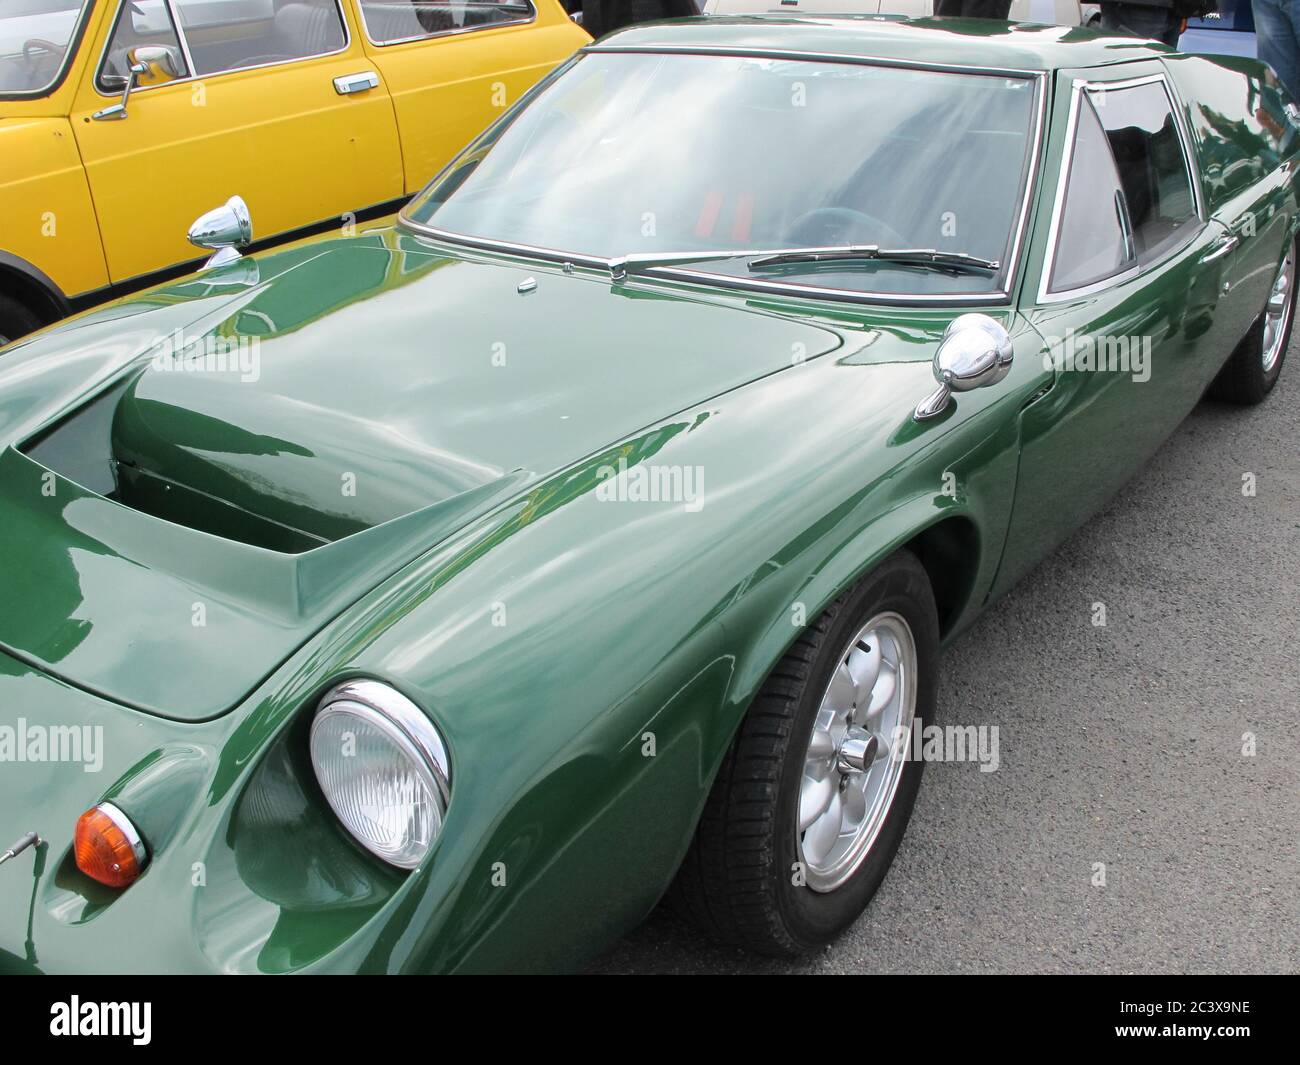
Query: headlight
x=383 y=769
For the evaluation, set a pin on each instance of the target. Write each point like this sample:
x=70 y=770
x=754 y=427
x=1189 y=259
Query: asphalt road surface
x=1119 y=745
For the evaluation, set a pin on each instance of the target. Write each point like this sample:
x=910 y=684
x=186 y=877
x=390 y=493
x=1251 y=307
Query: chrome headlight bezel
x=410 y=731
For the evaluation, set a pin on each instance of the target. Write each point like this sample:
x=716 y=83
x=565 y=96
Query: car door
x=273 y=100
x=453 y=66
x=1243 y=135
x=1126 y=301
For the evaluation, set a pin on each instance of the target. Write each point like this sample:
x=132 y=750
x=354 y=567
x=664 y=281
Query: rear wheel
x=1254 y=367
x=15 y=320
x=812 y=799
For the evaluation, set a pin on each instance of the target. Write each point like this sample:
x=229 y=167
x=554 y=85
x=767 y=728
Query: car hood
x=173 y=539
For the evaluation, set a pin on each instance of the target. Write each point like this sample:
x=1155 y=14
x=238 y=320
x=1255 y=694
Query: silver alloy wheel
x=852 y=767
x=1277 y=312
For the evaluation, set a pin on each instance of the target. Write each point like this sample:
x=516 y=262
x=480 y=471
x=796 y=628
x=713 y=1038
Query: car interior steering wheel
x=832 y=226
x=35 y=45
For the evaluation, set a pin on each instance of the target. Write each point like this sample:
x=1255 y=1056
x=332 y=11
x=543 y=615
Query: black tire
x=1243 y=378
x=15 y=320
x=737 y=882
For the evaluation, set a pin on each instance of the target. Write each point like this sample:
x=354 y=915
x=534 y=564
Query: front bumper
x=244 y=873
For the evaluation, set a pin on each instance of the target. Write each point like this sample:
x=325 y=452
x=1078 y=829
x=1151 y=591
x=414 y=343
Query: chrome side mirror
x=146 y=59
x=118 y=110
x=975 y=352
x=225 y=228
x=160 y=56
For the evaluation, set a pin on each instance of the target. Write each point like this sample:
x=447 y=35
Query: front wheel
x=15 y=320
x=1254 y=367
x=814 y=795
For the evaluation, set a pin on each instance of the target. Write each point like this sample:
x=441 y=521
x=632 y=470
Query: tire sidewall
x=1269 y=379
x=812 y=918
x=16 y=321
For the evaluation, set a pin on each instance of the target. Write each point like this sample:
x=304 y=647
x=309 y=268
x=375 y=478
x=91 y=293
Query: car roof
x=981 y=43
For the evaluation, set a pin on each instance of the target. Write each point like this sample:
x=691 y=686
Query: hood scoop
x=168 y=619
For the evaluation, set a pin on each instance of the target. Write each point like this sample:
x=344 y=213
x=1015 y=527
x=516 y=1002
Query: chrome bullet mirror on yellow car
x=154 y=62
x=226 y=229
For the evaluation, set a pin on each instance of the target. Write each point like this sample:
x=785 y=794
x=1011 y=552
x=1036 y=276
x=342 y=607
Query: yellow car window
x=216 y=36
x=392 y=21
x=231 y=34
x=143 y=32
x=35 y=36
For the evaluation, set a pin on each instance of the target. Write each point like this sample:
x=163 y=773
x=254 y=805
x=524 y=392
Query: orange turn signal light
x=107 y=846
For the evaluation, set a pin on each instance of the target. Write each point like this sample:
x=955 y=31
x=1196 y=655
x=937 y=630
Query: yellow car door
x=453 y=66
x=273 y=100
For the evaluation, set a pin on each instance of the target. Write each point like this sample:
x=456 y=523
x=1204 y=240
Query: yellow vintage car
x=121 y=120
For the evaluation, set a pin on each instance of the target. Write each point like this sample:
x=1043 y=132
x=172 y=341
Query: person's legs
x=1277 y=36
x=1139 y=20
x=998 y=9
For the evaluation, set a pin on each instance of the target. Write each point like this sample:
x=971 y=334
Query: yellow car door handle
x=346 y=84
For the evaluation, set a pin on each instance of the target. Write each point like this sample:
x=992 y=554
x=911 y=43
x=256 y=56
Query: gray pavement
x=1120 y=745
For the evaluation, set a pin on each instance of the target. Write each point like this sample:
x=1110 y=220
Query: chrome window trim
x=361 y=8
x=995 y=297
x=174 y=15
x=1078 y=88
x=821 y=57
x=185 y=50
x=74 y=46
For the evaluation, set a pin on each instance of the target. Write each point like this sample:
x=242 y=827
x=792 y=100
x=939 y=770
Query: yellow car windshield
x=35 y=39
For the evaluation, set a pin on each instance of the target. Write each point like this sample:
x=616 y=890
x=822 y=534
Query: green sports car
x=439 y=596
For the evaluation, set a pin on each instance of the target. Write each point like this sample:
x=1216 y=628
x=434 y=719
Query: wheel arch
x=32 y=288
x=949 y=550
x=948 y=541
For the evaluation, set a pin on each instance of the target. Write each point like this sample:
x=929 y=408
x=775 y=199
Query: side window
x=231 y=34
x=217 y=36
x=143 y=32
x=1143 y=135
x=391 y=21
x=1091 y=241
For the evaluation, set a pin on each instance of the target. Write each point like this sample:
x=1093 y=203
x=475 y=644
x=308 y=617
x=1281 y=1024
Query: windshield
x=633 y=154
x=35 y=36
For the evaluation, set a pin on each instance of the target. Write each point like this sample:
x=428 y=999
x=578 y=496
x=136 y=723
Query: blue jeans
x=1277 y=37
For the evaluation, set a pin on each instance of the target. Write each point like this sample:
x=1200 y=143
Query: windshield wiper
x=869 y=252
x=623 y=265
x=631 y=264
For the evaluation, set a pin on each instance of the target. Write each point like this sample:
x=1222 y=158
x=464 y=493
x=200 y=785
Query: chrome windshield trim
x=74 y=46
x=528 y=251
x=846 y=295
x=1078 y=89
x=1012 y=265
x=820 y=57
x=674 y=273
